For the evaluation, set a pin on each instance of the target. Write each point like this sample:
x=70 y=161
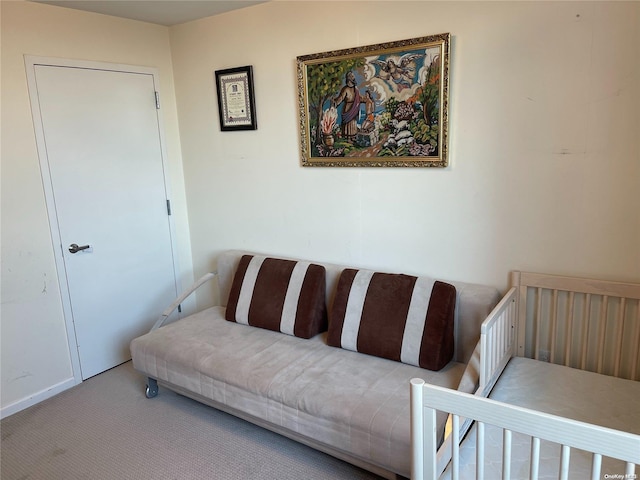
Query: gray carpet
x=105 y=428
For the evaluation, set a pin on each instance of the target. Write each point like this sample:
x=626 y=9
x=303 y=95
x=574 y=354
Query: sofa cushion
x=399 y=317
x=282 y=295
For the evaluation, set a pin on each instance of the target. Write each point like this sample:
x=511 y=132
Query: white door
x=102 y=143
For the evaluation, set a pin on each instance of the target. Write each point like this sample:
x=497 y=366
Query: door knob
x=74 y=248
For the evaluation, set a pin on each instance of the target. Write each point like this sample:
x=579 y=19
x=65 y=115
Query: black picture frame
x=236 y=101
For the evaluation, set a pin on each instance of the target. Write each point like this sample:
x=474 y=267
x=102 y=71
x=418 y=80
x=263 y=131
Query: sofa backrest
x=474 y=301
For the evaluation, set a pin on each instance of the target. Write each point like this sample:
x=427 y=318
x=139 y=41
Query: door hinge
x=168 y=207
x=180 y=308
x=157 y=100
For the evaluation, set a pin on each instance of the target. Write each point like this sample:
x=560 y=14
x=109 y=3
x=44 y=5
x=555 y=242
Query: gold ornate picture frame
x=383 y=105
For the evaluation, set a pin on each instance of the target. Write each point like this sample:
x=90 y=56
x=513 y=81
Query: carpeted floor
x=105 y=428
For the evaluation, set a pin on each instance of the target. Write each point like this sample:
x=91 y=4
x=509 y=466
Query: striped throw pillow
x=399 y=317
x=282 y=295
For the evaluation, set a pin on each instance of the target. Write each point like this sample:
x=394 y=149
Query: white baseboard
x=37 y=397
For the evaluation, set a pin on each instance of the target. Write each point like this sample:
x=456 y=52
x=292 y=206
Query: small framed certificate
x=236 y=104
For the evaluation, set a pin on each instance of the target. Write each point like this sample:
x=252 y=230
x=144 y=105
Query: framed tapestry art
x=382 y=105
x=236 y=105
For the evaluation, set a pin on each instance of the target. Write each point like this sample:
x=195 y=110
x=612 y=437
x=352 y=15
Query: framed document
x=236 y=104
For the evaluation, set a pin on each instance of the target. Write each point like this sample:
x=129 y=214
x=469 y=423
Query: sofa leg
x=152 y=388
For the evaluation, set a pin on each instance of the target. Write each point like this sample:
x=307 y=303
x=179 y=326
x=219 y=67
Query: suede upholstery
x=353 y=402
x=400 y=317
x=348 y=404
x=277 y=294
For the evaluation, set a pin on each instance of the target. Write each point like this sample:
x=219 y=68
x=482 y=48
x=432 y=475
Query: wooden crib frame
x=541 y=426
x=582 y=323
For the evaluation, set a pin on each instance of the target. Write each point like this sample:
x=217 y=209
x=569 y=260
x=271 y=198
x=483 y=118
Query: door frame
x=31 y=61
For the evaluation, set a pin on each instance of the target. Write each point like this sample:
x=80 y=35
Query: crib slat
x=536 y=345
x=586 y=316
x=422 y=418
x=485 y=367
x=564 y=462
x=455 y=441
x=569 y=333
x=554 y=321
x=596 y=466
x=621 y=312
x=506 y=454
x=513 y=315
x=500 y=339
x=602 y=325
x=503 y=330
x=480 y=451
x=634 y=367
x=497 y=334
x=534 y=469
x=630 y=470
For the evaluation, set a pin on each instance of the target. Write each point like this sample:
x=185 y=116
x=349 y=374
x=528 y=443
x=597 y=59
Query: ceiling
x=162 y=12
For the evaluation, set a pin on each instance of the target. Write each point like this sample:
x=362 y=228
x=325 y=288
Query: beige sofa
x=349 y=404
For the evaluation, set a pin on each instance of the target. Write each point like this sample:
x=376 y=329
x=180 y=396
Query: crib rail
x=497 y=340
x=497 y=344
x=588 y=324
x=426 y=399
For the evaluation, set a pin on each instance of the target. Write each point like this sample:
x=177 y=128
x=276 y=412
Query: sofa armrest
x=169 y=310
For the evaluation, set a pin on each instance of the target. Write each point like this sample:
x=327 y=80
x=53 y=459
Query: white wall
x=35 y=355
x=544 y=158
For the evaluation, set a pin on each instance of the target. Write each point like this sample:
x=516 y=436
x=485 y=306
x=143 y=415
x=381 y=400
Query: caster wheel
x=151 y=391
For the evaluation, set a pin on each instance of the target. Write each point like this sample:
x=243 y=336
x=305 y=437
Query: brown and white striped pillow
x=282 y=295
x=400 y=317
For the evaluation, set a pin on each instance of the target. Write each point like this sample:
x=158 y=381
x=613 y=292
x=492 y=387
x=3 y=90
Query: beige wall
x=545 y=166
x=545 y=162
x=35 y=355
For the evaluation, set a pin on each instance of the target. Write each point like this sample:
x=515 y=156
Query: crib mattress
x=585 y=396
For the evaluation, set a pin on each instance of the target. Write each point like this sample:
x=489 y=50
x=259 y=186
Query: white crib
x=583 y=324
